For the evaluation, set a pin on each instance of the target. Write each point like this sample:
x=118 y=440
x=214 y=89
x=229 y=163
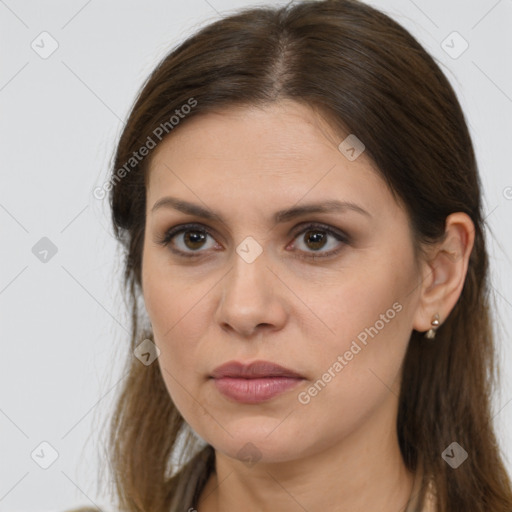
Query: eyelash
x=171 y=233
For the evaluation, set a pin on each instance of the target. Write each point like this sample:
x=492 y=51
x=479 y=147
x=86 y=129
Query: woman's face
x=330 y=295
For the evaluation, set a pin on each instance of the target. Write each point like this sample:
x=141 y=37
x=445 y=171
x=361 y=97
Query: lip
x=254 y=370
x=253 y=383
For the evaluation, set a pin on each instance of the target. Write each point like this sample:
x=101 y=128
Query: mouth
x=253 y=383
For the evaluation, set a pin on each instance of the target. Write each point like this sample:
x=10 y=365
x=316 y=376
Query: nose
x=253 y=299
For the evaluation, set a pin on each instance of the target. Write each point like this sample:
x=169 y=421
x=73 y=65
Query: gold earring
x=431 y=333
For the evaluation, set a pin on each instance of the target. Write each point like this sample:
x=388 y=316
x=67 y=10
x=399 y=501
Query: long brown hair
x=368 y=76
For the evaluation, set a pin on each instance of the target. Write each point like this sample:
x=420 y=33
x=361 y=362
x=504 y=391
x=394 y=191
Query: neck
x=364 y=471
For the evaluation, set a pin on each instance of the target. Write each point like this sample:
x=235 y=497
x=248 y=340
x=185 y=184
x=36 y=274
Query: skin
x=245 y=164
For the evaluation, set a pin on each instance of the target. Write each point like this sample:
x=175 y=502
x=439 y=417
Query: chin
x=255 y=444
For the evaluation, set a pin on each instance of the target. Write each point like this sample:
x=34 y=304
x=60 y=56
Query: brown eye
x=187 y=240
x=315 y=239
x=194 y=239
x=321 y=240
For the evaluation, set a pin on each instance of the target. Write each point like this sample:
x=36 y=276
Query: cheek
x=179 y=355
x=178 y=316
x=172 y=300
x=178 y=320
x=357 y=369
x=371 y=316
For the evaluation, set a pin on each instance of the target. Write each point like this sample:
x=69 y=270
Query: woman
x=297 y=194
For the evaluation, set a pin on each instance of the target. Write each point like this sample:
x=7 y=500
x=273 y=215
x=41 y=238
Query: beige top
x=430 y=501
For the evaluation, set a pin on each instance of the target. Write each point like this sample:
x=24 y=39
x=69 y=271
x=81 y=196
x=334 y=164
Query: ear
x=444 y=271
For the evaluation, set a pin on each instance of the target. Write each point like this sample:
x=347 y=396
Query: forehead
x=279 y=153
x=277 y=130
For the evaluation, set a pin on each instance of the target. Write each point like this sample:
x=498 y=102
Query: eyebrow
x=329 y=206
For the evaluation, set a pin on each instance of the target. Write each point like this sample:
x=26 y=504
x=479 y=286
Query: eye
x=192 y=238
x=320 y=239
x=188 y=240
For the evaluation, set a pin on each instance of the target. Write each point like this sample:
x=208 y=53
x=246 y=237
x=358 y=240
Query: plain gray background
x=63 y=323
